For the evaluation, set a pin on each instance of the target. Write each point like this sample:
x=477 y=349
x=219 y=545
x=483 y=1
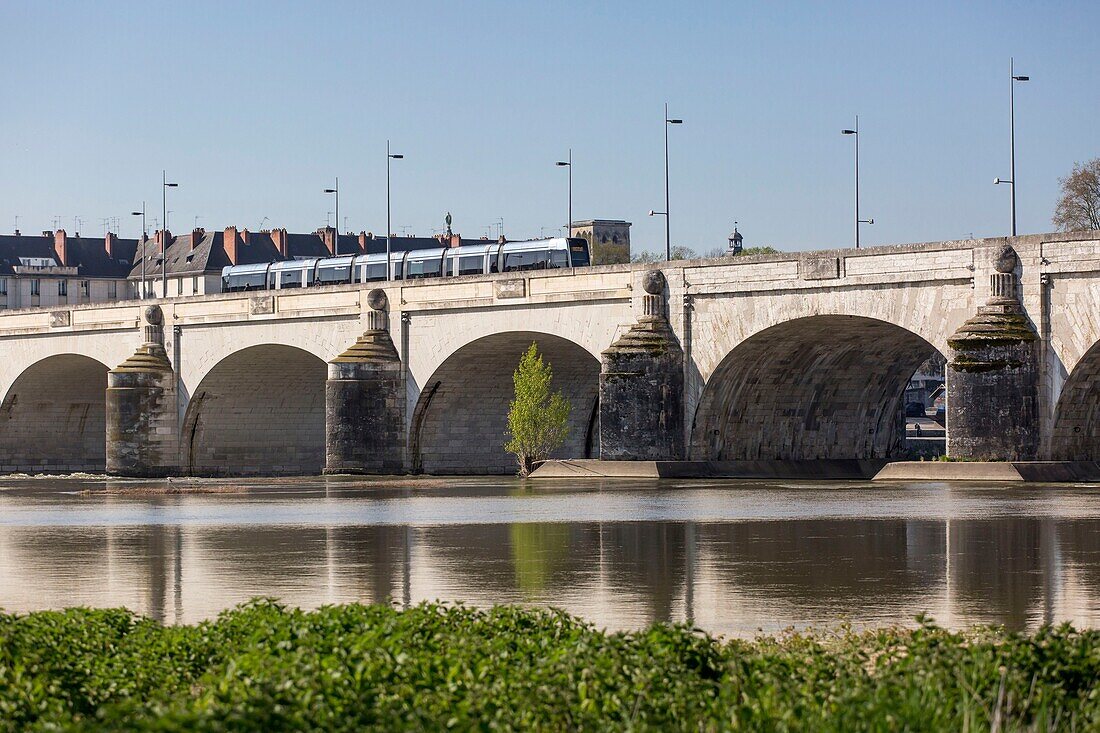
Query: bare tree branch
x=1079 y=206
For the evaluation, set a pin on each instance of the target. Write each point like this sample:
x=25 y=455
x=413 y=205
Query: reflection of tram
x=469 y=259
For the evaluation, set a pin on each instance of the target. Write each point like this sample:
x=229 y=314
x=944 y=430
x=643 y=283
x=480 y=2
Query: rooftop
x=58 y=254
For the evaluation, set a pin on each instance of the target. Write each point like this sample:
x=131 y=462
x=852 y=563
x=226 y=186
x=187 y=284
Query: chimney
x=278 y=238
x=362 y=241
x=245 y=236
x=456 y=240
x=196 y=236
x=229 y=244
x=60 y=247
x=110 y=241
x=328 y=236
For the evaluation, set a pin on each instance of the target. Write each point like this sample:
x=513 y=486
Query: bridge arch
x=53 y=417
x=459 y=422
x=818 y=387
x=1076 y=432
x=258 y=411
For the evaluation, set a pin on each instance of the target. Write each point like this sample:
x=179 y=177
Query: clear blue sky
x=254 y=107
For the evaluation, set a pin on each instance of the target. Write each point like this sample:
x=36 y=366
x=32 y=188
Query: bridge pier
x=142 y=419
x=642 y=386
x=993 y=376
x=365 y=401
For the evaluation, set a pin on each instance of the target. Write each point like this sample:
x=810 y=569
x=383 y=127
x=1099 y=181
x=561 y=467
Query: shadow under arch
x=459 y=423
x=1076 y=433
x=818 y=387
x=258 y=411
x=54 y=417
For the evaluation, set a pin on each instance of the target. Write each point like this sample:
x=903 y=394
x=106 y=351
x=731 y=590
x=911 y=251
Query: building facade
x=54 y=268
x=608 y=239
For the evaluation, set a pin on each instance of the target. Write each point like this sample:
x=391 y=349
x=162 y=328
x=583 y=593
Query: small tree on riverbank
x=537 y=420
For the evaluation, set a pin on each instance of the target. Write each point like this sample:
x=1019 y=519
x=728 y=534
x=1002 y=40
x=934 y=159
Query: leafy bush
x=263 y=667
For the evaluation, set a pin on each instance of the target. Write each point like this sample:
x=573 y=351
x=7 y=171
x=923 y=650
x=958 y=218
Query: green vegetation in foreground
x=263 y=667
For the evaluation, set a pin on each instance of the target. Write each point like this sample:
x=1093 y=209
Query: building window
x=63 y=288
x=84 y=288
x=3 y=286
x=36 y=287
x=179 y=286
x=112 y=289
x=195 y=286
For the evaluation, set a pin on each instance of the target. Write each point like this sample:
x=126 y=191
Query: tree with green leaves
x=538 y=419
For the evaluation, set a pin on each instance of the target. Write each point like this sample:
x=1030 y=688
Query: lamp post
x=668 y=229
x=141 y=293
x=336 y=239
x=855 y=134
x=389 y=156
x=568 y=163
x=164 y=186
x=1012 y=79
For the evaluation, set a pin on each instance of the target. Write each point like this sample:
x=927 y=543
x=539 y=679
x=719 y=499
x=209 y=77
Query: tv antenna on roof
x=262 y=222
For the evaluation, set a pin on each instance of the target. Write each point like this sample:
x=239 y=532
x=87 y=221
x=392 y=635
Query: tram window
x=514 y=261
x=375 y=271
x=398 y=271
x=424 y=268
x=290 y=279
x=580 y=254
x=471 y=265
x=559 y=258
x=250 y=281
x=330 y=274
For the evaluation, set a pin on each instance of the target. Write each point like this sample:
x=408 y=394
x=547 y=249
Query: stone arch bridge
x=788 y=356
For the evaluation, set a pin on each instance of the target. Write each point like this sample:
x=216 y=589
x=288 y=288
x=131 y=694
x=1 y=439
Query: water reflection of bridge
x=728 y=577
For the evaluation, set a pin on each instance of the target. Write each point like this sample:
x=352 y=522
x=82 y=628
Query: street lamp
x=336 y=240
x=389 y=156
x=668 y=231
x=855 y=134
x=1012 y=79
x=164 y=186
x=141 y=293
x=568 y=163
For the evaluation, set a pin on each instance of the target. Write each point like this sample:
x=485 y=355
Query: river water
x=732 y=557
